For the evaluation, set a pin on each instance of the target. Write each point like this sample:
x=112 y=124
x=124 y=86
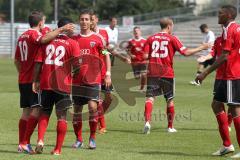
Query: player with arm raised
x=86 y=84
x=26 y=50
x=53 y=69
x=161 y=48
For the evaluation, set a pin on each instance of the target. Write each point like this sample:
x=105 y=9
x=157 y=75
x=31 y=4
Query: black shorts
x=139 y=69
x=50 y=98
x=82 y=94
x=27 y=97
x=208 y=62
x=160 y=86
x=227 y=91
x=104 y=89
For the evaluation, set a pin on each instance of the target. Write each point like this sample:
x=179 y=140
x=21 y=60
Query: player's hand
x=68 y=28
x=36 y=87
x=108 y=81
x=128 y=61
x=201 y=59
x=206 y=45
x=200 y=78
x=133 y=56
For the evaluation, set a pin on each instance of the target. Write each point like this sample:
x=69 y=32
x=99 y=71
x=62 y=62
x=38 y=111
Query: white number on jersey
x=159 y=46
x=23 y=50
x=59 y=53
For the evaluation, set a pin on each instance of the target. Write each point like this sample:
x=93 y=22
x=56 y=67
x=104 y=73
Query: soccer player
x=105 y=104
x=26 y=50
x=53 y=68
x=86 y=85
x=209 y=37
x=227 y=90
x=161 y=48
x=135 y=50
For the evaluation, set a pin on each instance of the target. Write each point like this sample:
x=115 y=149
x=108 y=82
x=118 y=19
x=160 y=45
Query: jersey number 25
x=162 y=46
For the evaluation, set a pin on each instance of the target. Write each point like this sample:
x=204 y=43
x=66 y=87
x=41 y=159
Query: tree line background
x=71 y=8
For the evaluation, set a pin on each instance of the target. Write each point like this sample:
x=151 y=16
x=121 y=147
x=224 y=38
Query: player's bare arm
x=51 y=35
x=108 y=81
x=191 y=51
x=36 y=77
x=213 y=67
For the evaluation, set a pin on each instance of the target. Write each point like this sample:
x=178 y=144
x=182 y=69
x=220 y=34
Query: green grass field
x=197 y=135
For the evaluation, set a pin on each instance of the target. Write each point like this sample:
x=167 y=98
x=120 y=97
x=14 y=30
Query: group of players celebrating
x=56 y=64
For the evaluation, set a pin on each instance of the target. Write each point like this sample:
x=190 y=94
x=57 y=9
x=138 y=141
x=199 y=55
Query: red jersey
x=45 y=30
x=26 y=51
x=57 y=58
x=216 y=51
x=136 y=47
x=103 y=33
x=90 y=62
x=162 y=47
x=231 y=43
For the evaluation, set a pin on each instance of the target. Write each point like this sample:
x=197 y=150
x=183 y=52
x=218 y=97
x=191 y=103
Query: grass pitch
x=197 y=135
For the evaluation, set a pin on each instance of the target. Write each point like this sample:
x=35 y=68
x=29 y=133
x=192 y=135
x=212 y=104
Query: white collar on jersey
x=139 y=39
x=225 y=29
x=88 y=35
x=162 y=32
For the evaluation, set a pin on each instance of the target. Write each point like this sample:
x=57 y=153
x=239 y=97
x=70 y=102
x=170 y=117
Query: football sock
x=31 y=125
x=170 y=115
x=77 y=126
x=22 y=125
x=148 y=110
x=42 y=126
x=236 y=121
x=223 y=128
x=93 y=119
x=61 y=132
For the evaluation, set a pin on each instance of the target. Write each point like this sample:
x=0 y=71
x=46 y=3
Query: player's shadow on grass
x=7 y=151
x=174 y=154
x=125 y=131
x=197 y=129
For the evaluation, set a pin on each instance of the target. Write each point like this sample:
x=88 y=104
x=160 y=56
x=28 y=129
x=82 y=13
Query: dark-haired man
x=228 y=90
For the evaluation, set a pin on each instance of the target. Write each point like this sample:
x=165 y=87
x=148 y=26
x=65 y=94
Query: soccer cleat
x=236 y=156
x=224 y=150
x=92 y=143
x=20 y=149
x=229 y=129
x=77 y=144
x=194 y=83
x=147 y=128
x=56 y=153
x=102 y=131
x=171 y=130
x=28 y=149
x=39 y=147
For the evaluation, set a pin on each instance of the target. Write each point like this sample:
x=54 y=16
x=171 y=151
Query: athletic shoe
x=224 y=150
x=92 y=143
x=171 y=130
x=28 y=149
x=229 y=129
x=102 y=131
x=20 y=149
x=194 y=83
x=236 y=156
x=77 y=144
x=39 y=147
x=56 y=152
x=147 y=128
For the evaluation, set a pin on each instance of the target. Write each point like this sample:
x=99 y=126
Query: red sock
x=93 y=119
x=148 y=110
x=77 y=126
x=61 y=132
x=22 y=125
x=170 y=115
x=223 y=128
x=236 y=121
x=42 y=126
x=31 y=125
x=101 y=118
x=229 y=119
